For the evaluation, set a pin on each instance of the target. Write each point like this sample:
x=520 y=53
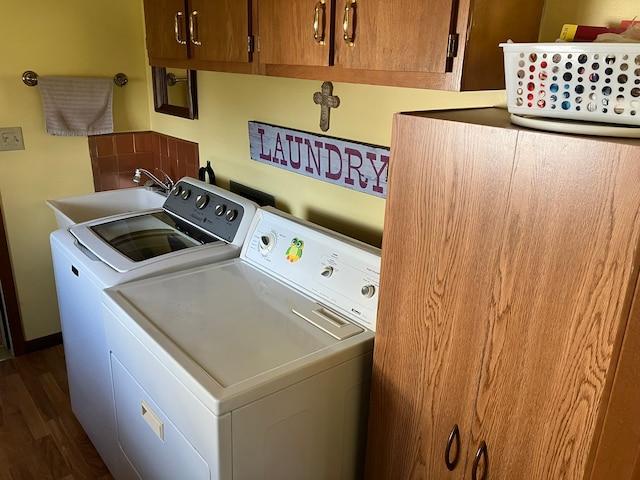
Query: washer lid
x=231 y=321
x=124 y=242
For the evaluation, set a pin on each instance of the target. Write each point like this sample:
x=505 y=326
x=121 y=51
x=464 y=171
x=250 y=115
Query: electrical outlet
x=11 y=139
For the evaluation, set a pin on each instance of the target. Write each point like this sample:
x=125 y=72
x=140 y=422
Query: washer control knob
x=220 y=209
x=186 y=193
x=327 y=271
x=177 y=190
x=202 y=201
x=267 y=243
x=231 y=215
x=368 y=291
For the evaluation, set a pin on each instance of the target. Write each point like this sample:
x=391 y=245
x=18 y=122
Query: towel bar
x=172 y=79
x=30 y=78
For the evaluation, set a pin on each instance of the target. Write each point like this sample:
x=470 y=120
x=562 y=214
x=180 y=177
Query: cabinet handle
x=193 y=28
x=453 y=436
x=348 y=39
x=482 y=452
x=316 y=23
x=177 y=23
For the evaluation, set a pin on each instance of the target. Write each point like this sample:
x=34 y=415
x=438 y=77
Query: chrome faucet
x=166 y=185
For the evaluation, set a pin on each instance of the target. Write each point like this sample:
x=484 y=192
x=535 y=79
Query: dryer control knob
x=202 y=201
x=231 y=215
x=267 y=243
x=368 y=291
x=220 y=209
x=327 y=271
x=186 y=193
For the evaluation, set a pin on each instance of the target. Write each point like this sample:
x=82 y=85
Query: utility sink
x=81 y=208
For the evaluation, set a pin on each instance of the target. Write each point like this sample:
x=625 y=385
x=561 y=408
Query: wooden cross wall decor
x=326 y=100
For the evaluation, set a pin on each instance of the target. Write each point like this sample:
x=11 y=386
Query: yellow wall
x=72 y=37
x=228 y=101
x=79 y=37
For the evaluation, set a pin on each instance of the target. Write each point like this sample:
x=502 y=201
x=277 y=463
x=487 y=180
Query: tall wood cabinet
x=200 y=34
x=437 y=44
x=508 y=334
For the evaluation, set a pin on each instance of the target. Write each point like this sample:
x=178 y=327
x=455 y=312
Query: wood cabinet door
x=558 y=306
x=444 y=219
x=219 y=30
x=166 y=27
x=287 y=34
x=408 y=36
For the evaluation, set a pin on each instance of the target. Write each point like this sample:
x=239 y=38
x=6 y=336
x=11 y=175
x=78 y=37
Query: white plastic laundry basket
x=596 y=82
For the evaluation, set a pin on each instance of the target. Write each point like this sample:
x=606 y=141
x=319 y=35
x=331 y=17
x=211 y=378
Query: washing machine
x=197 y=224
x=253 y=368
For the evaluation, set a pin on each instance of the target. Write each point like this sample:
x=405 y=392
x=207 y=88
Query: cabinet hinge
x=250 y=45
x=452 y=45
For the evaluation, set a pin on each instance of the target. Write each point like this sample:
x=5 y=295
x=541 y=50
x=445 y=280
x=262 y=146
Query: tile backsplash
x=115 y=157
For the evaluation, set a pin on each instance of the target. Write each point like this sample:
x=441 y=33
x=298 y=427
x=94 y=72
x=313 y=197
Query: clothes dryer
x=252 y=368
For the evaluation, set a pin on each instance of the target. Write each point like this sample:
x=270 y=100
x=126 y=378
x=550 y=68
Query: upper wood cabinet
x=199 y=34
x=303 y=33
x=439 y=44
x=166 y=28
x=409 y=36
x=295 y=33
x=508 y=330
x=435 y=44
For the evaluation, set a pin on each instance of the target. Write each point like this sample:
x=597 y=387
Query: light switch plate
x=11 y=139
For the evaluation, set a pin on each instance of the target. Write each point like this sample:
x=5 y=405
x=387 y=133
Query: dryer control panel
x=338 y=272
x=212 y=209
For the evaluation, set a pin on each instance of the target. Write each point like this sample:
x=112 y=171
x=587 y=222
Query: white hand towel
x=77 y=106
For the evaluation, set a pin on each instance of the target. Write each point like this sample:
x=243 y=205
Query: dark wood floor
x=39 y=436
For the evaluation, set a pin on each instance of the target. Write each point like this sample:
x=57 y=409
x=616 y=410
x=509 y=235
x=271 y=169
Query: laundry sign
x=353 y=165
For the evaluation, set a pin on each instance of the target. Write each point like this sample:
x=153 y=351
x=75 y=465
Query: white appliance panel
x=330 y=267
x=231 y=326
x=210 y=434
x=249 y=326
x=144 y=427
x=88 y=369
x=312 y=430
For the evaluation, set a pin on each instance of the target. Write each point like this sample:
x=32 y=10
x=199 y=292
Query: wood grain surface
x=408 y=36
x=39 y=436
x=395 y=43
x=287 y=33
x=509 y=268
x=159 y=17
x=559 y=304
x=222 y=29
x=443 y=220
